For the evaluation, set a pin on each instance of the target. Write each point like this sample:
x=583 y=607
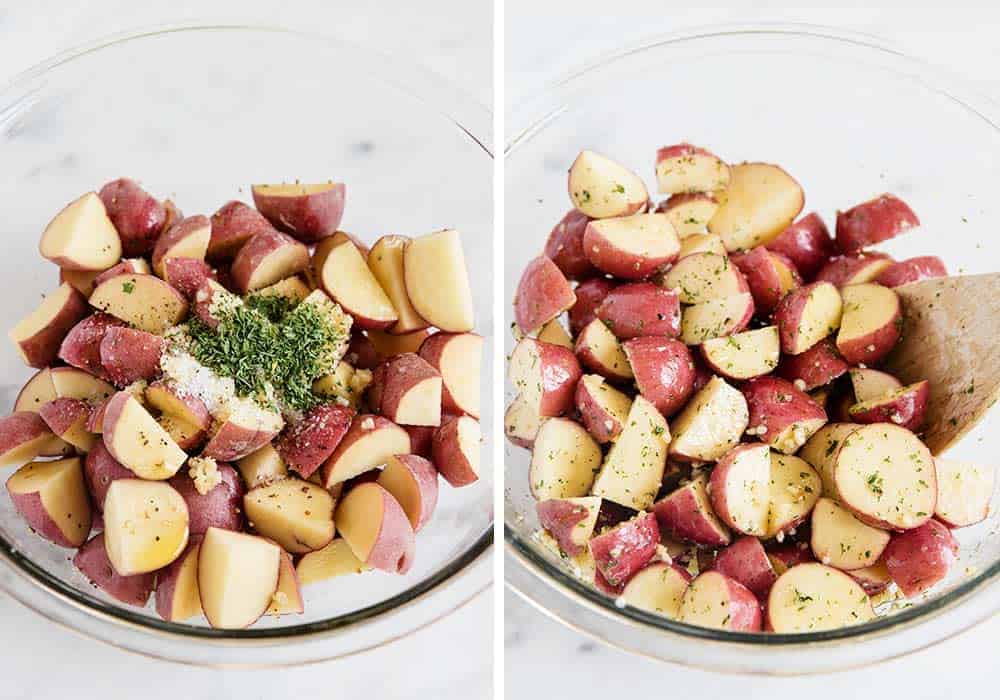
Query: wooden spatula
x=951 y=336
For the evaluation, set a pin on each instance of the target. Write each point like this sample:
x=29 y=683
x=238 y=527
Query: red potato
x=782 y=415
x=219 y=506
x=100 y=469
x=641 y=309
x=871 y=324
x=816 y=367
x=794 y=489
x=871 y=384
x=885 y=475
x=564 y=246
x=81 y=347
x=171 y=399
x=873 y=221
x=770 y=276
x=546 y=375
x=543 y=293
x=746 y=562
x=811 y=597
x=964 y=492
x=135 y=439
x=144 y=301
x=458 y=359
x=305 y=444
x=570 y=521
x=658 y=588
x=267 y=258
x=211 y=294
x=437 y=281
x=686 y=514
x=335 y=559
x=81 y=236
x=186 y=275
x=345 y=385
x=716 y=318
x=521 y=422
x=287 y=599
x=52 y=497
x=92 y=561
x=743 y=355
x=262 y=467
x=912 y=270
x=80 y=280
x=387 y=346
x=905 y=407
x=690 y=213
x=820 y=451
x=38 y=335
x=36 y=392
x=239 y=428
x=73 y=383
x=602 y=188
x=856 y=268
x=298 y=515
x=137 y=216
x=188 y=238
x=873 y=579
x=624 y=549
x=785 y=556
x=308 y=212
x=705 y=276
x=702 y=373
x=701 y=243
x=807 y=243
x=386 y=263
x=711 y=424
x=664 y=371
x=376 y=528
x=292 y=288
x=24 y=435
x=413 y=482
x=407 y=391
x=237 y=577
x=603 y=409
x=685 y=168
x=632 y=471
x=369 y=443
x=421 y=439
x=553 y=332
x=455 y=450
x=806 y=315
x=346 y=277
x=919 y=558
x=128 y=355
x=188 y=437
x=760 y=202
x=127 y=266
x=631 y=247
x=716 y=600
x=177 y=595
x=67 y=419
x=739 y=488
x=233 y=225
x=842 y=541
x=589 y=296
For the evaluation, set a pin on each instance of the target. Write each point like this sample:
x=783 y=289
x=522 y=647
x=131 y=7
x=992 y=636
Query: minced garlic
x=204 y=471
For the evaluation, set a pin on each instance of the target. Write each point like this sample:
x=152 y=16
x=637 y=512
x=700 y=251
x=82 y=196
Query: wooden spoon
x=951 y=337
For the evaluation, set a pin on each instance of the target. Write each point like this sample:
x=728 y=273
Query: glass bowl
x=847 y=116
x=197 y=113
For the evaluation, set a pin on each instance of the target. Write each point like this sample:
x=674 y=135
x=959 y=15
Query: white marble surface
x=451 y=659
x=545 y=659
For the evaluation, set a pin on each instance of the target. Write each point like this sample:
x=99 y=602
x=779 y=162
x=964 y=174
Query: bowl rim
x=473 y=119
x=535 y=113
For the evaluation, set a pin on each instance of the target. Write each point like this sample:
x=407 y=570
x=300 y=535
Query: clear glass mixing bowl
x=197 y=114
x=849 y=117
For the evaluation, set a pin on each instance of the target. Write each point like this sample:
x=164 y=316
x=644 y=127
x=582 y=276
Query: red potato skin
x=231 y=442
x=641 y=309
x=393 y=552
x=176 y=233
x=42 y=348
x=201 y=304
x=841 y=270
x=392 y=379
x=744 y=607
x=873 y=221
x=29 y=505
x=99 y=470
x=746 y=562
x=565 y=246
x=431 y=351
x=626 y=266
x=234 y=224
x=20 y=427
x=621 y=551
x=447 y=455
x=60 y=414
x=361 y=353
x=758 y=267
x=677 y=515
x=559 y=517
x=912 y=270
x=788 y=313
x=919 y=558
x=589 y=296
x=907 y=410
x=817 y=366
x=421 y=438
x=166 y=579
x=542 y=294
x=187 y=274
x=137 y=215
x=306 y=444
x=308 y=218
x=560 y=373
x=356 y=432
x=791 y=554
x=425 y=475
x=776 y=403
x=92 y=561
x=593 y=416
x=128 y=354
x=807 y=243
x=702 y=374
x=221 y=507
x=95 y=424
x=664 y=371
x=871 y=348
x=125 y=267
x=81 y=348
x=257 y=249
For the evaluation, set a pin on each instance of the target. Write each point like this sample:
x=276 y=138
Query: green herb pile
x=272 y=351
